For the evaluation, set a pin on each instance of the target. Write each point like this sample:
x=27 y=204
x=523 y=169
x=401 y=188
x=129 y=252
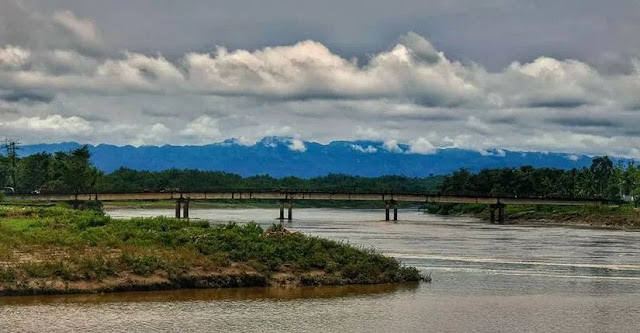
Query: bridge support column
x=290 y=212
x=281 y=204
x=182 y=208
x=492 y=211
x=388 y=205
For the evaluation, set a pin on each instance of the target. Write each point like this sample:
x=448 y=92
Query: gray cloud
x=557 y=104
x=27 y=96
x=583 y=122
x=493 y=33
x=66 y=80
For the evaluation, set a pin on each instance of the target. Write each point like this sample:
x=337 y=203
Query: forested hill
x=280 y=157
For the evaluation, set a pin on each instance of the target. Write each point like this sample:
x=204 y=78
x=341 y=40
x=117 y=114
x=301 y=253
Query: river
x=486 y=278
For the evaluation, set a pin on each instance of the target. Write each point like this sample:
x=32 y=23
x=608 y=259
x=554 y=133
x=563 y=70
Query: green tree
x=457 y=183
x=73 y=171
x=601 y=171
x=34 y=171
x=11 y=147
x=4 y=171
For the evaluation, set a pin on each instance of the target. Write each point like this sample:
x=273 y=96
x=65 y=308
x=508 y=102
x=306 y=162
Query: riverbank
x=56 y=250
x=611 y=217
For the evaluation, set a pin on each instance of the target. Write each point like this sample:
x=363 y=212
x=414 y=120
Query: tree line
x=602 y=179
x=73 y=172
x=63 y=171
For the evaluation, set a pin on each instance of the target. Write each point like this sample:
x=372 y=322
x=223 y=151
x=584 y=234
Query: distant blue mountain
x=276 y=156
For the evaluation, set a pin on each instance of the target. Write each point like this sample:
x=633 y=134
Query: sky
x=534 y=75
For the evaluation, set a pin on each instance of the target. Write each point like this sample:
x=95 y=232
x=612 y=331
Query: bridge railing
x=328 y=190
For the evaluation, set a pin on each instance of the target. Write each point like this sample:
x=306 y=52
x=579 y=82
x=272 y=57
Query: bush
x=8 y=275
x=96 y=268
x=48 y=270
x=142 y=265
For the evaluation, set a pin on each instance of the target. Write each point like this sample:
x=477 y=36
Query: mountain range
x=281 y=157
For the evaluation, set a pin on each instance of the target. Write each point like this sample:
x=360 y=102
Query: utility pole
x=11 y=146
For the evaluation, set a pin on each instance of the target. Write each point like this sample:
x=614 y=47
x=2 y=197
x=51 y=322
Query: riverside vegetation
x=47 y=250
x=615 y=216
x=602 y=180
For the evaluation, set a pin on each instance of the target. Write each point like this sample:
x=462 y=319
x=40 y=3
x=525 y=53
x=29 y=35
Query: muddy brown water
x=486 y=278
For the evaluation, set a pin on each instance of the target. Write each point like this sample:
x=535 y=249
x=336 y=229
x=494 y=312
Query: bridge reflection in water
x=287 y=198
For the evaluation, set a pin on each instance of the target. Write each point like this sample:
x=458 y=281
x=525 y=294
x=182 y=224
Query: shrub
x=49 y=270
x=8 y=275
x=142 y=265
x=96 y=268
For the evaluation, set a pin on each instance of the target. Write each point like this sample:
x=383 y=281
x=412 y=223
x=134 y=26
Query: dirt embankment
x=605 y=219
x=230 y=277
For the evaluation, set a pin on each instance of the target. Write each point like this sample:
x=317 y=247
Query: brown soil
x=599 y=221
x=237 y=275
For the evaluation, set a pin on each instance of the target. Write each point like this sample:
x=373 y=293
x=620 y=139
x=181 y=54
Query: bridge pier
x=182 y=208
x=500 y=216
x=388 y=205
x=282 y=204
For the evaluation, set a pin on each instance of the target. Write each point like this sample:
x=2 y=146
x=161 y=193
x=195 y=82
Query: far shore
x=613 y=217
x=616 y=217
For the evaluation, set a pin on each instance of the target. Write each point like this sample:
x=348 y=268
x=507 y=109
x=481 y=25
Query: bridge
x=287 y=198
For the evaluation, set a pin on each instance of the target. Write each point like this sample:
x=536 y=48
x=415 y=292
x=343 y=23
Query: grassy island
x=53 y=250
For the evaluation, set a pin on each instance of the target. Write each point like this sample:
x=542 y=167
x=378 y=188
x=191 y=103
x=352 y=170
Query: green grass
x=19 y=224
x=71 y=245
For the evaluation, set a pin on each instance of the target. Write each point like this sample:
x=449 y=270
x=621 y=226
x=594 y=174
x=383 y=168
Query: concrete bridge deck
x=276 y=195
x=287 y=198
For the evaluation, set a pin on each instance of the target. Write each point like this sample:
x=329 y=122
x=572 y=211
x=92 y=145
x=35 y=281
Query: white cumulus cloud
x=13 y=56
x=368 y=149
x=421 y=146
x=202 y=129
x=60 y=80
x=392 y=146
x=297 y=145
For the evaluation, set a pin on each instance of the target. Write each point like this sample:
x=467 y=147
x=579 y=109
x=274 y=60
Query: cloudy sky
x=540 y=75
